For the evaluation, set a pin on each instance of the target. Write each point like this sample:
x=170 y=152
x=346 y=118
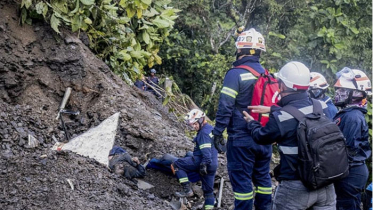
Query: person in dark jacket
x=121 y=163
x=352 y=88
x=140 y=83
x=153 y=81
x=318 y=89
x=291 y=194
x=204 y=160
x=247 y=161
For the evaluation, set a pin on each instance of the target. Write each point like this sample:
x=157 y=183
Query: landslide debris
x=36 y=67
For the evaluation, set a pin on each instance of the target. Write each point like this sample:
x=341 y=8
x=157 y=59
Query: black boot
x=187 y=191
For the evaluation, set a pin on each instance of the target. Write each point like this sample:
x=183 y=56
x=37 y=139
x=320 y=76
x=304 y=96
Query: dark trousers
x=191 y=164
x=349 y=189
x=248 y=163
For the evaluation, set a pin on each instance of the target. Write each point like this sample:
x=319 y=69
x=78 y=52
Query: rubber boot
x=187 y=191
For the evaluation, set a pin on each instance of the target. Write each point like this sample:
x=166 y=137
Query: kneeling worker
x=204 y=159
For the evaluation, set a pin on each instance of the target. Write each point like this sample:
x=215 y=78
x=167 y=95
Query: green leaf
x=76 y=23
x=39 y=7
x=23 y=15
x=354 y=30
x=130 y=12
x=160 y=23
x=281 y=36
x=136 y=54
x=339 y=46
x=26 y=3
x=145 y=37
x=88 y=2
x=166 y=100
x=147 y=2
x=88 y=21
x=55 y=23
x=324 y=61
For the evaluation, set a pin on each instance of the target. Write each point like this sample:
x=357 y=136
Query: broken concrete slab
x=96 y=143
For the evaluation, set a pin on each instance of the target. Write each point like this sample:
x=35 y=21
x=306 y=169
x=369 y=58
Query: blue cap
x=153 y=71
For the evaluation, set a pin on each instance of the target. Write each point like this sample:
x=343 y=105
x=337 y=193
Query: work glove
x=219 y=142
x=203 y=169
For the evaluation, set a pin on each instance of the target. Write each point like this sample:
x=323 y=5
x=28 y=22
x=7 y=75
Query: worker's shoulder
x=206 y=129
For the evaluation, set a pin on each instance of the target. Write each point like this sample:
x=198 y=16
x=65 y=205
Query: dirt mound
x=36 y=66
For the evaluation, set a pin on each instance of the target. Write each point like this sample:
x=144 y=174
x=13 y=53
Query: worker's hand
x=218 y=141
x=260 y=109
x=203 y=169
x=247 y=117
x=136 y=160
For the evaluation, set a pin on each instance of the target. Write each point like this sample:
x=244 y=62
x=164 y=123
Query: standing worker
x=247 y=161
x=351 y=91
x=204 y=159
x=153 y=82
x=318 y=88
x=291 y=193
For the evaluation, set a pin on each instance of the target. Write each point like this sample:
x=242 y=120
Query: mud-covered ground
x=36 y=67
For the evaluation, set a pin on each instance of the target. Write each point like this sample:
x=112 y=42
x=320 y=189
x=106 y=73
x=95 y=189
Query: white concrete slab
x=96 y=142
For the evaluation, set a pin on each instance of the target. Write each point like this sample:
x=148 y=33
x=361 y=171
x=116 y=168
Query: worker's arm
x=226 y=102
x=268 y=134
x=204 y=144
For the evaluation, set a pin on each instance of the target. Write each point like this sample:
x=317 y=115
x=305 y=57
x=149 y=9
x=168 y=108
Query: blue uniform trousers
x=349 y=189
x=249 y=162
x=191 y=164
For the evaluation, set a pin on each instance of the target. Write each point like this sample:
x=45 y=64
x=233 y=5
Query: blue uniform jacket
x=204 y=149
x=282 y=128
x=331 y=107
x=352 y=123
x=153 y=80
x=235 y=96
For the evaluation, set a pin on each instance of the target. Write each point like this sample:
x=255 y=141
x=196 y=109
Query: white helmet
x=318 y=81
x=353 y=79
x=250 y=39
x=195 y=115
x=295 y=75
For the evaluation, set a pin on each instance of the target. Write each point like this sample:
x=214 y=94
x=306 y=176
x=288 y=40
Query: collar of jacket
x=292 y=97
x=348 y=109
x=245 y=59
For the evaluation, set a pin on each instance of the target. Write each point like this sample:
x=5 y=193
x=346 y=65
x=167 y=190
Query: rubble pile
x=36 y=67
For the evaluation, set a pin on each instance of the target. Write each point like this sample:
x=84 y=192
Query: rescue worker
x=352 y=88
x=204 y=159
x=152 y=81
x=247 y=161
x=121 y=163
x=140 y=83
x=291 y=194
x=317 y=90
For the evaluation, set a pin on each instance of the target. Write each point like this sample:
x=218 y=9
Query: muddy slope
x=36 y=66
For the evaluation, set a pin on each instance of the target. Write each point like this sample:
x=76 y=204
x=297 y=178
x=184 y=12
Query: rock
x=151 y=196
x=143 y=185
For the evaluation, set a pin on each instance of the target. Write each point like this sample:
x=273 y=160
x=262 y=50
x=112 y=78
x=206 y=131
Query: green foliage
x=126 y=34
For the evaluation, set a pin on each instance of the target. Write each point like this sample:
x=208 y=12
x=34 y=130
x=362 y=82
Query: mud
x=36 y=66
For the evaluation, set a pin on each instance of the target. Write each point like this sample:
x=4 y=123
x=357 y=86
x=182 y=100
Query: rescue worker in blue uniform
x=317 y=90
x=247 y=161
x=291 y=194
x=153 y=81
x=352 y=88
x=204 y=160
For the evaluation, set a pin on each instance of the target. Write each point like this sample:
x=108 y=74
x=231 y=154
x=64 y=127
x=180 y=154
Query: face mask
x=316 y=93
x=341 y=97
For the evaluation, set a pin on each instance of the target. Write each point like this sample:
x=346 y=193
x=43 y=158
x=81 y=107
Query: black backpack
x=322 y=151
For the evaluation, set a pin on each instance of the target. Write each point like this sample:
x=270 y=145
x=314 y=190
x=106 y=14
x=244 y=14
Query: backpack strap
x=255 y=73
x=297 y=115
x=294 y=112
x=317 y=108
